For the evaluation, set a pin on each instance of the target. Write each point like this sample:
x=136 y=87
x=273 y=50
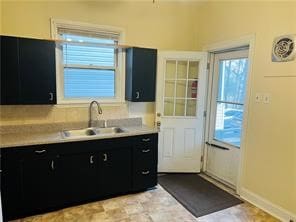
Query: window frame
x=57 y=24
x=239 y=53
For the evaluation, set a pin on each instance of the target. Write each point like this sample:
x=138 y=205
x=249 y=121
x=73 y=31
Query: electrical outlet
x=258 y=97
x=266 y=98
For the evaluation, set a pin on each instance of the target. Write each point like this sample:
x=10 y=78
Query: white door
x=228 y=89
x=180 y=102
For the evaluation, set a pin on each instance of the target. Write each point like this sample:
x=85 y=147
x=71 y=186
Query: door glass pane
x=193 y=70
x=169 y=88
x=182 y=70
x=180 y=107
x=228 y=125
x=168 y=107
x=232 y=80
x=181 y=89
x=170 y=69
x=191 y=107
x=192 y=89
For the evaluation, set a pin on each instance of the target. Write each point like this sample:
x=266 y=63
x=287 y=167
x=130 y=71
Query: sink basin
x=92 y=132
x=79 y=132
x=109 y=130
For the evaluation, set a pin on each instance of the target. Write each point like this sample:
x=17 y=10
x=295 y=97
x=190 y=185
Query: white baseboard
x=273 y=209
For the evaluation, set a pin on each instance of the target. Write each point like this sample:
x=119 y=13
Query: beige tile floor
x=151 y=206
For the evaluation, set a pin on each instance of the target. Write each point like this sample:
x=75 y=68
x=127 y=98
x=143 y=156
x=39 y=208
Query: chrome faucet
x=90 y=113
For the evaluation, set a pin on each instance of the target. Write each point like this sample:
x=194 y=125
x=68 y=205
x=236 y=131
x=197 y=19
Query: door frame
x=227 y=46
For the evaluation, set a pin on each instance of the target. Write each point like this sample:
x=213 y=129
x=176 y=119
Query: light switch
x=266 y=98
x=258 y=97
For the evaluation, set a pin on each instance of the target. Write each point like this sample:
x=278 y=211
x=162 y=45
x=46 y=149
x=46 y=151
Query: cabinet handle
x=52 y=165
x=137 y=95
x=40 y=151
x=91 y=159
x=50 y=96
x=146 y=151
x=105 y=157
x=145 y=172
x=146 y=139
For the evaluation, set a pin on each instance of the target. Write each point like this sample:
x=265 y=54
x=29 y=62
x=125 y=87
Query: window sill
x=85 y=103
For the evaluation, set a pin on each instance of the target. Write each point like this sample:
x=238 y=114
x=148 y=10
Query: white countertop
x=38 y=138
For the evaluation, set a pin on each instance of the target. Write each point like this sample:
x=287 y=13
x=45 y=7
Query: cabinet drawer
x=37 y=151
x=145 y=156
x=145 y=178
x=146 y=141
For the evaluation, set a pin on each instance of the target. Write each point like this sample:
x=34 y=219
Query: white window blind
x=89 y=69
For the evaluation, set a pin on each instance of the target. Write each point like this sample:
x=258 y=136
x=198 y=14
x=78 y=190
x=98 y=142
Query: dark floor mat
x=196 y=194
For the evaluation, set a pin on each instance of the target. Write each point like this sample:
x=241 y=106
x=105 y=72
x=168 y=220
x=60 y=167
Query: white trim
x=61 y=23
x=267 y=206
x=120 y=73
x=230 y=44
x=251 y=43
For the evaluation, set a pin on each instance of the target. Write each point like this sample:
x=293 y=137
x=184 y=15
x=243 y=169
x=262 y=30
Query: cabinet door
x=9 y=71
x=141 y=74
x=40 y=190
x=10 y=184
x=115 y=171
x=144 y=74
x=79 y=177
x=37 y=71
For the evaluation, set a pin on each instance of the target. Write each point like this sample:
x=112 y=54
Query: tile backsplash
x=41 y=114
x=37 y=114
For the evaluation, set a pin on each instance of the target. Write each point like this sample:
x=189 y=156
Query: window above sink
x=88 y=68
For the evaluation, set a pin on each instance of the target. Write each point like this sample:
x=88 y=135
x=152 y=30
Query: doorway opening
x=228 y=78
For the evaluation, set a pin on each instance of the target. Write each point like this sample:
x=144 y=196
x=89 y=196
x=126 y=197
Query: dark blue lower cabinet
x=43 y=178
x=115 y=168
x=38 y=187
x=78 y=177
x=145 y=162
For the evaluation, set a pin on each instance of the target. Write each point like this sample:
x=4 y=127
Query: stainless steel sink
x=109 y=130
x=79 y=132
x=92 y=132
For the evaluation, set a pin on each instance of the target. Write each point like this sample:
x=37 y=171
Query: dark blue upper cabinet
x=140 y=74
x=9 y=71
x=28 y=71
